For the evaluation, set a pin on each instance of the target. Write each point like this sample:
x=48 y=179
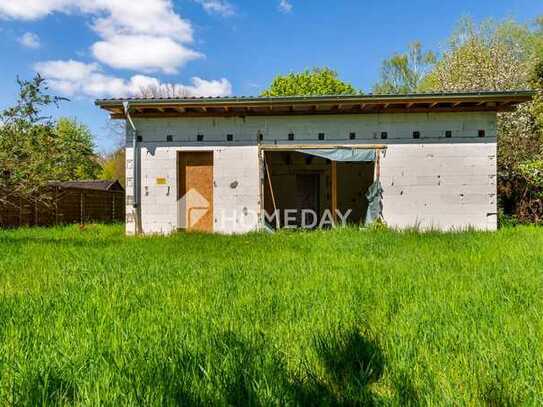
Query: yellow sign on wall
x=161 y=181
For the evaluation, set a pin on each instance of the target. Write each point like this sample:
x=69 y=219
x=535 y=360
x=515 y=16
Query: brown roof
x=307 y=105
x=97 y=185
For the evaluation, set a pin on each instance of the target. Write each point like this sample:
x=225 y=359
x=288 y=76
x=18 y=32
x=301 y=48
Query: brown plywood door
x=196 y=191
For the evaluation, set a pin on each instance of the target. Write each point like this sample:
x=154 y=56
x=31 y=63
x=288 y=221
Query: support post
x=82 y=207
x=271 y=191
x=113 y=207
x=333 y=191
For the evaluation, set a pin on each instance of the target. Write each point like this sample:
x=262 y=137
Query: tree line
x=491 y=56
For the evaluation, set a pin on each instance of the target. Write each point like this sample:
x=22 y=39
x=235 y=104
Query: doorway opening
x=303 y=189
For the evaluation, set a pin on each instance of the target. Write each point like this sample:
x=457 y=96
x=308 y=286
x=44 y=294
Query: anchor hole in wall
x=169 y=138
x=352 y=136
x=481 y=133
x=200 y=137
x=416 y=134
x=291 y=136
x=229 y=137
x=448 y=133
x=384 y=135
x=321 y=136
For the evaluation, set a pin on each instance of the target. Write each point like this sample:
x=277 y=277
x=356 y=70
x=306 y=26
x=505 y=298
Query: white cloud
x=143 y=52
x=202 y=87
x=121 y=25
x=221 y=7
x=74 y=78
x=31 y=9
x=285 y=6
x=29 y=40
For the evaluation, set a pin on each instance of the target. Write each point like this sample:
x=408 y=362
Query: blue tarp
x=343 y=154
x=375 y=202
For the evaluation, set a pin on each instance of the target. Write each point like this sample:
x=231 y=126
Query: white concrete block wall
x=440 y=186
x=431 y=182
x=275 y=129
x=236 y=190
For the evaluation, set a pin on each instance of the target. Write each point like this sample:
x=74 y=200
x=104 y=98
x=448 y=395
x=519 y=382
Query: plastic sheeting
x=343 y=154
x=375 y=202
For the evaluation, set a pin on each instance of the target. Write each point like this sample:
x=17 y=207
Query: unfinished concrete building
x=224 y=164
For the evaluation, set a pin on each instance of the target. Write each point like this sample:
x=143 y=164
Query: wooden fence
x=66 y=206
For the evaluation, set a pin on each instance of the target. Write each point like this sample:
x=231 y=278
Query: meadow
x=374 y=317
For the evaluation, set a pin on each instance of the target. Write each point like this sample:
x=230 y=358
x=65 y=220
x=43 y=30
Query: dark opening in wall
x=321 y=136
x=169 y=138
x=416 y=134
x=229 y=137
x=200 y=137
x=448 y=134
x=481 y=133
x=352 y=136
x=260 y=137
x=291 y=136
x=384 y=135
x=139 y=138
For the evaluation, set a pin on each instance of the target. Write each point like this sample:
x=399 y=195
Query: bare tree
x=166 y=90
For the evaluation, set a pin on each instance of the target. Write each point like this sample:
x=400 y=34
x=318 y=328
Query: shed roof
x=100 y=185
x=307 y=105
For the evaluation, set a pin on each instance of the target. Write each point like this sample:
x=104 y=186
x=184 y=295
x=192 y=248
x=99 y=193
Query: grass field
x=341 y=317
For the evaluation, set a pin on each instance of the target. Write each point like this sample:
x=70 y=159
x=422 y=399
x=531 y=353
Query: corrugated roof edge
x=519 y=93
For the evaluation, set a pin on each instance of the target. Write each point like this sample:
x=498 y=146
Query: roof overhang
x=317 y=105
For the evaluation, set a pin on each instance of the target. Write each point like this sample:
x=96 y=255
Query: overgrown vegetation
x=35 y=149
x=339 y=317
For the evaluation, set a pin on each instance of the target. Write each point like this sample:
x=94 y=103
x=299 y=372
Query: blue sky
x=105 y=48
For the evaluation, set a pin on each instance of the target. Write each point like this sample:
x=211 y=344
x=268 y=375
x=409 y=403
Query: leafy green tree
x=402 y=73
x=113 y=167
x=35 y=150
x=487 y=57
x=81 y=162
x=318 y=81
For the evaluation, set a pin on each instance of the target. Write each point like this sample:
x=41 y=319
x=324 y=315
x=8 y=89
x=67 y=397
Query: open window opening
x=317 y=188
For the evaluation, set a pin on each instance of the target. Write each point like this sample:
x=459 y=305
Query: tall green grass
x=339 y=317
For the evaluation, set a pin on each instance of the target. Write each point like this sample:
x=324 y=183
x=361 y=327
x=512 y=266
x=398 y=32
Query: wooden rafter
x=504 y=101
